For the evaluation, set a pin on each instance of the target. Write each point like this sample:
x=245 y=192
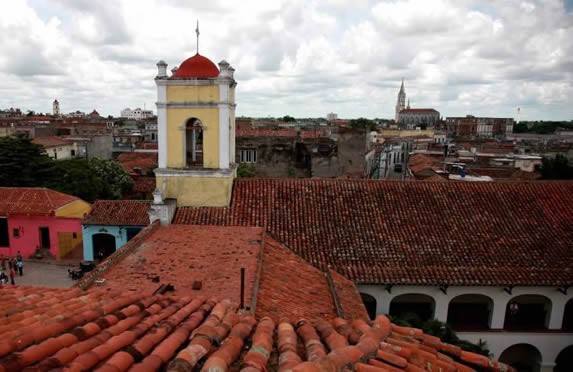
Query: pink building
x=40 y=218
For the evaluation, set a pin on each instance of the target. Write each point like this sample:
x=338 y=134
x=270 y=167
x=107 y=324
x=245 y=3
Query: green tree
x=76 y=178
x=363 y=123
x=116 y=181
x=246 y=171
x=556 y=168
x=24 y=164
x=288 y=119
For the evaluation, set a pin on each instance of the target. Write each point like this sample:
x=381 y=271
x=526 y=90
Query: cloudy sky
x=303 y=58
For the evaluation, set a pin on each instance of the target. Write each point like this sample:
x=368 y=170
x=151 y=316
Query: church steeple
x=196 y=132
x=401 y=101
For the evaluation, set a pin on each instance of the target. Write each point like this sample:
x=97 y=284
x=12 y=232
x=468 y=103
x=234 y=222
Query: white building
x=56 y=108
x=331 y=116
x=136 y=114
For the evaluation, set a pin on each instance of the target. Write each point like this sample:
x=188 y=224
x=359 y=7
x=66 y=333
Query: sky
x=303 y=58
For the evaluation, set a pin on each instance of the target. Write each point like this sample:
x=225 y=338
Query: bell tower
x=196 y=132
x=400 y=102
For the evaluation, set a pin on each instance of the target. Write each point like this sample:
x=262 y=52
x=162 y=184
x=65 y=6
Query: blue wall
x=120 y=233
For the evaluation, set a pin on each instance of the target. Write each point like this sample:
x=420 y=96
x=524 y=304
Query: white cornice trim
x=196 y=173
x=176 y=105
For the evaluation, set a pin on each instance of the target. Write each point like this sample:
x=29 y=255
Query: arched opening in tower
x=194 y=143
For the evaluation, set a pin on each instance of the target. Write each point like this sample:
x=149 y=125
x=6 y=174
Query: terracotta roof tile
x=197 y=260
x=155 y=332
x=409 y=232
x=51 y=141
x=288 y=132
x=290 y=286
x=206 y=260
x=118 y=212
x=32 y=201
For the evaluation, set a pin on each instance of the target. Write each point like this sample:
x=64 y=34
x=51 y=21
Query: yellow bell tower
x=196 y=132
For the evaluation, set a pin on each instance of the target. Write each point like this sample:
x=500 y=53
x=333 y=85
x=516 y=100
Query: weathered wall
x=347 y=159
x=276 y=156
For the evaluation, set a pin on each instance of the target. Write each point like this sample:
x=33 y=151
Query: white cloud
x=303 y=58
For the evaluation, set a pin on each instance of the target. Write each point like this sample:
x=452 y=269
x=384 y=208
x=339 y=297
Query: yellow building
x=196 y=132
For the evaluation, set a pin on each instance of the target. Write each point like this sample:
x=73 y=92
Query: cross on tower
x=197 y=33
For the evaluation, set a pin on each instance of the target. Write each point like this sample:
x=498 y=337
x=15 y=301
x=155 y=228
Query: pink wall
x=30 y=233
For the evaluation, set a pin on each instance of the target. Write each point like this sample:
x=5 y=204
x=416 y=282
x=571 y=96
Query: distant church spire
x=197 y=33
x=401 y=102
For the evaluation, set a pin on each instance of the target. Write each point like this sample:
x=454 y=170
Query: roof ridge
x=333 y=293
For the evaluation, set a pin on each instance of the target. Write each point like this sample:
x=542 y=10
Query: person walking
x=12 y=275
x=20 y=265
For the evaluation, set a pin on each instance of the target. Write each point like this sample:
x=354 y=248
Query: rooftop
x=207 y=261
x=411 y=232
x=32 y=201
x=46 y=328
x=51 y=141
x=119 y=213
x=196 y=67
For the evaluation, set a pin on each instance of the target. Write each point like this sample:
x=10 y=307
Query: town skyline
x=303 y=59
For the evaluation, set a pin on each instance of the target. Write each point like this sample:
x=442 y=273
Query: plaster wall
x=29 y=233
x=193 y=93
x=191 y=189
x=176 y=118
x=75 y=209
x=118 y=232
x=549 y=343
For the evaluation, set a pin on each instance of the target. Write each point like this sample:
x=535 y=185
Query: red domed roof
x=196 y=67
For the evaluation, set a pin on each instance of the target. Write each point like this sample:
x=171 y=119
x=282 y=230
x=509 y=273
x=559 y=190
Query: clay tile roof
x=285 y=132
x=32 y=201
x=198 y=260
x=196 y=67
x=417 y=110
x=52 y=141
x=119 y=212
x=291 y=287
x=47 y=329
x=261 y=132
x=206 y=260
x=411 y=232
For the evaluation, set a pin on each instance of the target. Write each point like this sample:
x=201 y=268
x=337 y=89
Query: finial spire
x=197 y=33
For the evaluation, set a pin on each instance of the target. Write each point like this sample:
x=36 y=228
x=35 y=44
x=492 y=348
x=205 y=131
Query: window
x=248 y=156
x=16 y=233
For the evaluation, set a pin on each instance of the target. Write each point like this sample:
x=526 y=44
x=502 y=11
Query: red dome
x=196 y=67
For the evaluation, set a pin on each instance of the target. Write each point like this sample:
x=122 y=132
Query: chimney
x=161 y=70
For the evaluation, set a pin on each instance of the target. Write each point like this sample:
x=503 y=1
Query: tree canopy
x=556 y=168
x=25 y=164
x=363 y=123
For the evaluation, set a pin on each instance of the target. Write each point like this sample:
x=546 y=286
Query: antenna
x=197 y=33
x=518 y=114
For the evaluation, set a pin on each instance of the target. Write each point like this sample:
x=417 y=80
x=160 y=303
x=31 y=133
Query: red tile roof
x=291 y=287
x=32 y=201
x=278 y=283
x=189 y=256
x=288 y=132
x=46 y=329
x=196 y=67
x=143 y=184
x=118 y=213
x=145 y=161
x=413 y=233
x=52 y=141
